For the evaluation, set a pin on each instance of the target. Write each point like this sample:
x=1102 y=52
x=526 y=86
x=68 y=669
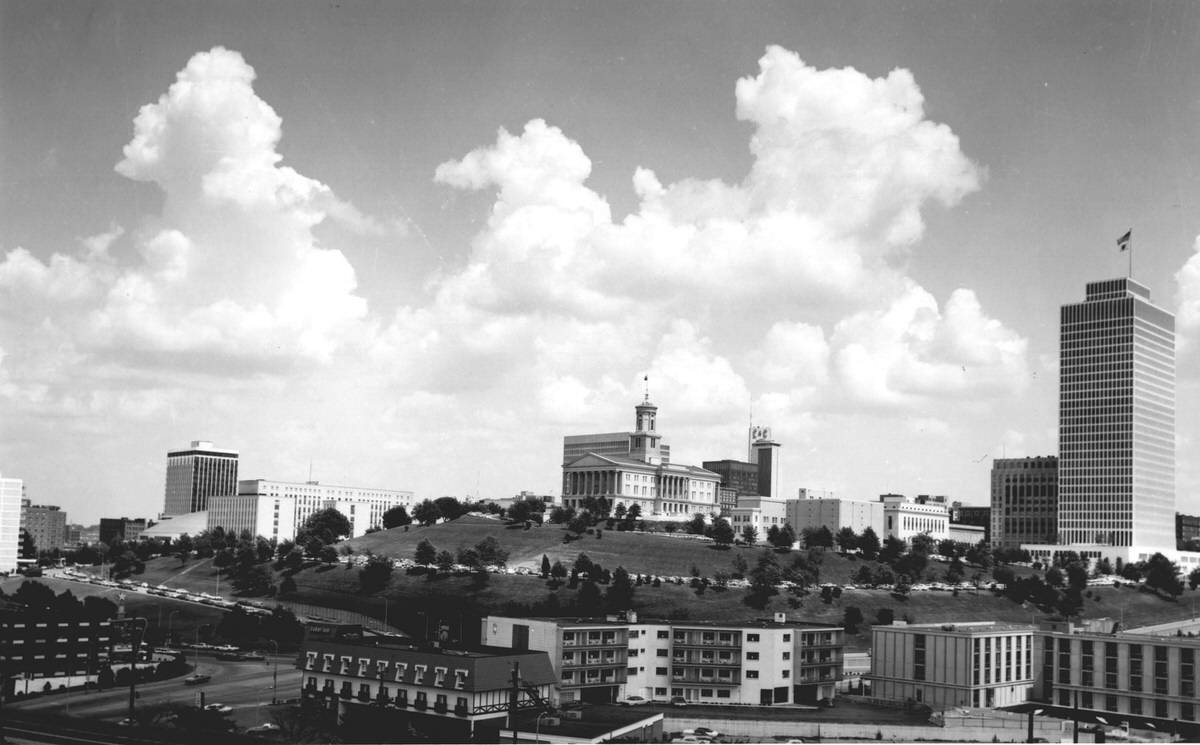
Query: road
x=245 y=686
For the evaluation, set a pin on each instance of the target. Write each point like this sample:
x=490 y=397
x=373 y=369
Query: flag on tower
x=1124 y=241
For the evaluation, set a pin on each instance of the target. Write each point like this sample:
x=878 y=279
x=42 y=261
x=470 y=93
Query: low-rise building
x=120 y=529
x=760 y=513
x=277 y=509
x=812 y=511
x=974 y=515
x=45 y=523
x=974 y=664
x=904 y=519
x=36 y=647
x=1100 y=670
x=378 y=675
x=762 y=662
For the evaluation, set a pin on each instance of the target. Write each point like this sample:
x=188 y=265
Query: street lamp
x=537 y=726
x=275 y=674
x=171 y=623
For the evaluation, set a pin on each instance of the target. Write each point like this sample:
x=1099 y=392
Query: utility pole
x=135 y=643
x=513 y=698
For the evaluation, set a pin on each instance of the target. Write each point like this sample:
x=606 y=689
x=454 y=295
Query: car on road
x=634 y=701
x=708 y=732
x=219 y=708
x=253 y=656
x=263 y=728
x=127 y=722
x=678 y=701
x=230 y=656
x=197 y=679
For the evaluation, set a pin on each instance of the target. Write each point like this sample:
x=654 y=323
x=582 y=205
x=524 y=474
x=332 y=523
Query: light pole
x=275 y=674
x=171 y=623
x=537 y=726
x=135 y=643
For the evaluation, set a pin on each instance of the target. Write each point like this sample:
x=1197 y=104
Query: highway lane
x=245 y=686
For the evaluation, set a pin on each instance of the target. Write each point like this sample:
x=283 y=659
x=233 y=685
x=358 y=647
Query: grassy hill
x=417 y=603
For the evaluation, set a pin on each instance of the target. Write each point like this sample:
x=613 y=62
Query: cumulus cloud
x=1188 y=313
x=230 y=269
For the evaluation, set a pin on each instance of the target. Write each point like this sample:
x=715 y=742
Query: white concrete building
x=11 y=492
x=980 y=664
x=834 y=514
x=761 y=513
x=904 y=519
x=640 y=475
x=762 y=662
x=277 y=509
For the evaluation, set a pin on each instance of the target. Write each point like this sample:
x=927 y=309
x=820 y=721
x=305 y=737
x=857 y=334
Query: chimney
x=780 y=617
x=631 y=616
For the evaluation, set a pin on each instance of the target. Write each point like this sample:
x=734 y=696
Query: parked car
x=708 y=732
x=219 y=708
x=678 y=701
x=197 y=679
x=634 y=701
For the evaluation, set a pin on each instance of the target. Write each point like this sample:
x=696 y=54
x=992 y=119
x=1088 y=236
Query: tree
x=1054 y=577
x=893 y=549
x=546 y=567
x=426 y=513
x=696 y=525
x=425 y=554
x=490 y=552
x=445 y=561
x=1194 y=578
x=763 y=579
x=589 y=598
x=1162 y=575
x=722 y=532
x=451 y=508
x=749 y=535
x=740 y=567
x=374 y=575
x=294 y=560
x=223 y=559
x=327 y=525
x=579 y=523
x=923 y=543
x=852 y=619
x=620 y=593
x=884 y=617
x=287 y=586
x=396 y=517
x=868 y=543
x=781 y=538
x=255 y=581
x=328 y=555
x=847 y=539
x=558 y=571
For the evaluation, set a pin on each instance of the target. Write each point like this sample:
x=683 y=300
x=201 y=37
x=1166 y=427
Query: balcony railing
x=461 y=711
x=441 y=707
x=420 y=704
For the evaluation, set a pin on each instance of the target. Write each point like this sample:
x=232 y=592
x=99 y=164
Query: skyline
x=416 y=245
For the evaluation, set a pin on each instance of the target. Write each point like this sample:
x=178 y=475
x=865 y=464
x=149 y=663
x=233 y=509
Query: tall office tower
x=1116 y=424
x=1024 y=501
x=11 y=492
x=195 y=474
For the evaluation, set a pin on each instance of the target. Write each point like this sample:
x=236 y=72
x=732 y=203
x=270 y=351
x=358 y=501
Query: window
x=752 y=655
x=660 y=671
x=631 y=671
x=661 y=691
x=723 y=694
x=660 y=652
x=787 y=673
x=787 y=655
x=751 y=637
x=751 y=673
x=787 y=637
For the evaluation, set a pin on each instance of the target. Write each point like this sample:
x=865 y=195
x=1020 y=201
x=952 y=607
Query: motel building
x=375 y=681
x=976 y=664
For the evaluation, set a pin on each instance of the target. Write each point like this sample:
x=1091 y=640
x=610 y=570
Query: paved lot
x=245 y=686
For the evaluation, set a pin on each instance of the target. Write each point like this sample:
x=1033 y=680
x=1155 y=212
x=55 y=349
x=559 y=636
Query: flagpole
x=1131 y=256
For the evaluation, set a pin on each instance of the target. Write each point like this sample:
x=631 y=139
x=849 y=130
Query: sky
x=411 y=245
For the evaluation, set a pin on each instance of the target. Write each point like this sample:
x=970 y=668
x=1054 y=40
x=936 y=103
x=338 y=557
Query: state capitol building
x=634 y=468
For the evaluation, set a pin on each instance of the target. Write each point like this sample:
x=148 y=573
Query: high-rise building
x=764 y=453
x=11 y=492
x=197 y=473
x=1116 y=430
x=45 y=523
x=1024 y=501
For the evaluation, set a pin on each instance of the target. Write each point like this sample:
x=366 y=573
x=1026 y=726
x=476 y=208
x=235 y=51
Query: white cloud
x=1188 y=299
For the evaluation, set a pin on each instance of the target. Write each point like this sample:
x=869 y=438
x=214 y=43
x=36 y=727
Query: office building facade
x=12 y=491
x=1116 y=468
x=904 y=519
x=46 y=524
x=277 y=509
x=762 y=662
x=1024 y=495
x=197 y=473
x=978 y=664
x=834 y=513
